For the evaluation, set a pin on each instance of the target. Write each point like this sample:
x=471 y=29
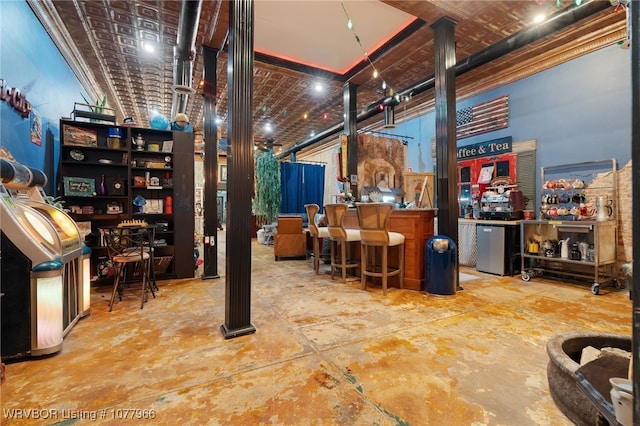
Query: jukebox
x=41 y=266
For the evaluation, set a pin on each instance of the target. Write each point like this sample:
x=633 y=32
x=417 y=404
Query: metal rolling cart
x=577 y=209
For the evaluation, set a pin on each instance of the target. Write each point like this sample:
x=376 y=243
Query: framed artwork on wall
x=418 y=188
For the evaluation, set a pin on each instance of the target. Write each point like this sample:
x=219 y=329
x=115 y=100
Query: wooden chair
x=340 y=239
x=316 y=232
x=126 y=246
x=373 y=219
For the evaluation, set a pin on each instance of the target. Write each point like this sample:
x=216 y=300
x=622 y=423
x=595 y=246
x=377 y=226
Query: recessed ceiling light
x=268 y=127
x=319 y=87
x=148 y=47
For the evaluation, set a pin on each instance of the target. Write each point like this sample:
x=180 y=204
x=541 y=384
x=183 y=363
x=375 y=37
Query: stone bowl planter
x=564 y=352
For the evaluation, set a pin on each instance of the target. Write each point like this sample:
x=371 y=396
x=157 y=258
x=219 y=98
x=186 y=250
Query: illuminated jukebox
x=42 y=277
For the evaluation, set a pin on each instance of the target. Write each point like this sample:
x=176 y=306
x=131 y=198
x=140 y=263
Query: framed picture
x=223 y=173
x=79 y=137
x=418 y=188
x=117 y=186
x=79 y=187
x=167 y=146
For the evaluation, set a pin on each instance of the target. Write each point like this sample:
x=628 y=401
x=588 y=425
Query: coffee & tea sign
x=492 y=147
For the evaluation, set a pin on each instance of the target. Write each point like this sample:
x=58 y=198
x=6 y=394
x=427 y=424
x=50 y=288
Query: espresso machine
x=501 y=203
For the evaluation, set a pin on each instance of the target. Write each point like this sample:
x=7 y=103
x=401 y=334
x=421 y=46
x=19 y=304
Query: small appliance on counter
x=502 y=203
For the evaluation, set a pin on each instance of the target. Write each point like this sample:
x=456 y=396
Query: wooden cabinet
x=103 y=181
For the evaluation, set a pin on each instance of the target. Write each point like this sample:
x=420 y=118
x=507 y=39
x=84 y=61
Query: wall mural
x=381 y=162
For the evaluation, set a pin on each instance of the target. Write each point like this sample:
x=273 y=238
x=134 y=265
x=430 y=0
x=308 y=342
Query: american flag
x=485 y=117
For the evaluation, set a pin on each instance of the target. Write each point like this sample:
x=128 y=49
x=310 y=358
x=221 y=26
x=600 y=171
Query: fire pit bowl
x=564 y=352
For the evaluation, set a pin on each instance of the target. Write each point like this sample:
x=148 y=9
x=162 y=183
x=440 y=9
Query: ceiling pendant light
x=389 y=117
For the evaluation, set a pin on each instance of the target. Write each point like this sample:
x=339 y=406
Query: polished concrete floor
x=324 y=353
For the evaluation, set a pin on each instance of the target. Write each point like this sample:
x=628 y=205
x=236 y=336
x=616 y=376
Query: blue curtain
x=301 y=184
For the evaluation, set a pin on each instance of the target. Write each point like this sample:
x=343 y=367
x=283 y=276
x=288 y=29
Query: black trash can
x=441 y=265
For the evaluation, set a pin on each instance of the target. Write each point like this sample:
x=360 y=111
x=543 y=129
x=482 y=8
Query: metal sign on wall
x=492 y=147
x=482 y=118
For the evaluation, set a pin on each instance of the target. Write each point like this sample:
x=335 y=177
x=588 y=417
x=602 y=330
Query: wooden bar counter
x=417 y=227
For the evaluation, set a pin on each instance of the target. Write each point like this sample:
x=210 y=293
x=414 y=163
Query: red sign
x=16 y=99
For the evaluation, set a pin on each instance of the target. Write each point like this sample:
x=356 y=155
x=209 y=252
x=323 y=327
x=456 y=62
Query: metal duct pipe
x=184 y=55
x=556 y=22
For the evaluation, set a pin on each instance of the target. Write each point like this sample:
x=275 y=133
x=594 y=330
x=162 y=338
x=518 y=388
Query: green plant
x=55 y=202
x=266 y=204
x=98 y=107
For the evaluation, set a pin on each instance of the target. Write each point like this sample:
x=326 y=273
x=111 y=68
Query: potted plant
x=266 y=204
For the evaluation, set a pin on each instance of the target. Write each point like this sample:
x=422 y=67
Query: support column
x=445 y=105
x=240 y=171
x=351 y=130
x=210 y=190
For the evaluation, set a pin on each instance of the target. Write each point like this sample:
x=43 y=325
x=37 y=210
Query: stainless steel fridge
x=490 y=253
x=498 y=247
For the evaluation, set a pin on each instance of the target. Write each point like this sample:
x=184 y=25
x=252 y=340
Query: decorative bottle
x=102 y=190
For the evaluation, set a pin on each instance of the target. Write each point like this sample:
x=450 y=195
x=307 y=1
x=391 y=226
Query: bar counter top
x=490 y=222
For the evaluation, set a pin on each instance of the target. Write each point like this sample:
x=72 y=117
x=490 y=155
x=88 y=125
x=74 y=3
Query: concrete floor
x=325 y=352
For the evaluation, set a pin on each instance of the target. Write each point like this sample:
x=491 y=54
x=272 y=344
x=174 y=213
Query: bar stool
x=340 y=238
x=316 y=232
x=373 y=219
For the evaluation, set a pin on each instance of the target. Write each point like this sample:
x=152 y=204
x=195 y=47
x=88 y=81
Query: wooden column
x=445 y=105
x=240 y=171
x=210 y=189
x=351 y=130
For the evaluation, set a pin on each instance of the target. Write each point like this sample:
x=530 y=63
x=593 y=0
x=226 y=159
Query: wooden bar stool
x=316 y=232
x=340 y=239
x=373 y=219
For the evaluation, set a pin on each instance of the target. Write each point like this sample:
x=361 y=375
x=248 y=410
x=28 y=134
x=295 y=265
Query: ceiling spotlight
x=375 y=73
x=305 y=116
x=268 y=128
x=319 y=87
x=148 y=47
x=384 y=85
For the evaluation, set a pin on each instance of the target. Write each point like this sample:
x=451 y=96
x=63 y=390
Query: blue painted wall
x=30 y=62
x=577 y=111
